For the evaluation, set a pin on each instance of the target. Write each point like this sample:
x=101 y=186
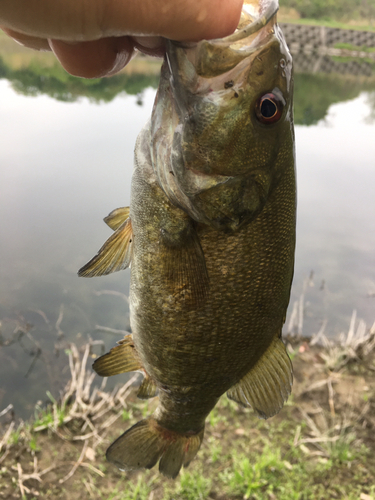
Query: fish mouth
x=258 y=12
x=211 y=58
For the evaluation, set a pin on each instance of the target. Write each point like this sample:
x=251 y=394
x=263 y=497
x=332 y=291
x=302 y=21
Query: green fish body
x=210 y=235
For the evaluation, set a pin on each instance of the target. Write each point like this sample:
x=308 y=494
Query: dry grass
x=327 y=424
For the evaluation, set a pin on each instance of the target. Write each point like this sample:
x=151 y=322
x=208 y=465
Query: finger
x=94 y=59
x=151 y=45
x=32 y=42
x=81 y=20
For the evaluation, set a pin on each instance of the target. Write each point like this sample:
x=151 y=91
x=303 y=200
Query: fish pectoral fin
x=119 y=359
x=148 y=389
x=268 y=384
x=185 y=266
x=117 y=217
x=114 y=255
x=147 y=442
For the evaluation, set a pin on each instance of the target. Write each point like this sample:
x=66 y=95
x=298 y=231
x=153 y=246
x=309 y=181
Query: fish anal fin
x=141 y=447
x=267 y=386
x=119 y=359
x=117 y=217
x=148 y=389
x=114 y=255
x=185 y=268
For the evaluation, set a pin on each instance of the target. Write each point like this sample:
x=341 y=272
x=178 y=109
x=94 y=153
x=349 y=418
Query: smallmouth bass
x=210 y=236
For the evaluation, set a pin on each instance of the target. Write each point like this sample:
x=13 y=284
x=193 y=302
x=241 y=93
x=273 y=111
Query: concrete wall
x=318 y=36
x=313 y=50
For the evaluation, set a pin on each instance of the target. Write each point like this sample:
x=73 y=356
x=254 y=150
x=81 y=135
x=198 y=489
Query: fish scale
x=210 y=235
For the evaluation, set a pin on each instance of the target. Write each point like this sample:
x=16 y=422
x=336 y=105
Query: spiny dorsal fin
x=117 y=217
x=119 y=359
x=148 y=389
x=186 y=267
x=267 y=386
x=114 y=255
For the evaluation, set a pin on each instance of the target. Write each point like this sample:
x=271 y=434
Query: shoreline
x=326 y=427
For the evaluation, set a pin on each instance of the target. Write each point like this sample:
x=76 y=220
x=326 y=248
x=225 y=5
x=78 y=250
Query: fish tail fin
x=147 y=442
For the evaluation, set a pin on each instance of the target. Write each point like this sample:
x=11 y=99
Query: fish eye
x=269 y=108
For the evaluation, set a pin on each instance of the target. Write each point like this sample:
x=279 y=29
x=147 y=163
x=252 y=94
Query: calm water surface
x=66 y=165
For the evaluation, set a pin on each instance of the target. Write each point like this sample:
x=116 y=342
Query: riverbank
x=320 y=446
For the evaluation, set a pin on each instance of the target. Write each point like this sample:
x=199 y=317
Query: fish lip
x=269 y=12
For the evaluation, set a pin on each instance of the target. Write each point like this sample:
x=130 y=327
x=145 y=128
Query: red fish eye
x=269 y=108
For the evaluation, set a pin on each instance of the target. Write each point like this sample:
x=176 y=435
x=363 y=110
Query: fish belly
x=209 y=347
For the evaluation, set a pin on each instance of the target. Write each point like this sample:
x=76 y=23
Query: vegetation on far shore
x=344 y=14
x=320 y=446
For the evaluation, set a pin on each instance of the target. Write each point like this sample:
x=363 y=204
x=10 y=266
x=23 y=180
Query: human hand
x=95 y=38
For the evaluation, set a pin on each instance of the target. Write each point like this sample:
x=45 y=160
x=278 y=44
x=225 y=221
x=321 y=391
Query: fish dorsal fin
x=186 y=268
x=268 y=384
x=114 y=255
x=119 y=359
x=148 y=389
x=117 y=217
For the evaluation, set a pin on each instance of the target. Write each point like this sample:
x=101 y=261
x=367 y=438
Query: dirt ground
x=328 y=402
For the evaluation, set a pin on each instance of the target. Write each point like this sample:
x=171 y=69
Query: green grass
x=331 y=23
x=300 y=454
x=348 y=46
x=191 y=486
x=50 y=415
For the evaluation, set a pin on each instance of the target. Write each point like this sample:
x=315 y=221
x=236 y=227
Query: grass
x=360 y=25
x=320 y=446
x=348 y=46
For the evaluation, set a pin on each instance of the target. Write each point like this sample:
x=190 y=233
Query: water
x=65 y=164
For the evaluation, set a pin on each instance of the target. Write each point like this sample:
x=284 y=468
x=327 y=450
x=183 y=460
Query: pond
x=66 y=160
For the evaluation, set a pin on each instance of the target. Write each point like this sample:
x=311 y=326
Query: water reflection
x=342 y=80
x=66 y=163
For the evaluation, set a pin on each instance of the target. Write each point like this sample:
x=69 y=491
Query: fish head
x=228 y=103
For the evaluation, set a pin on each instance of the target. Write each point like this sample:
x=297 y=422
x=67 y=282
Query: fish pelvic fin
x=144 y=444
x=119 y=359
x=117 y=217
x=148 y=389
x=115 y=254
x=186 y=269
x=267 y=386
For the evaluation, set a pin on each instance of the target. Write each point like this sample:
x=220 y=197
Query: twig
x=41 y=313
x=60 y=333
x=8 y=408
x=113 y=292
x=111 y=330
x=76 y=465
x=20 y=481
x=6 y=435
x=90 y=466
x=330 y=397
x=22 y=477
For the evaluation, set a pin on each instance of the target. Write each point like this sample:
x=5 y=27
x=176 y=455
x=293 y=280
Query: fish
x=210 y=239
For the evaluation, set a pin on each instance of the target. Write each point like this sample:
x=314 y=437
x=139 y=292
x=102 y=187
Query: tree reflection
x=35 y=80
x=314 y=92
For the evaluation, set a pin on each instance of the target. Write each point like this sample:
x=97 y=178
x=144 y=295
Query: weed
x=192 y=486
x=15 y=437
x=214 y=417
x=127 y=415
x=138 y=491
x=32 y=444
x=246 y=478
x=216 y=449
